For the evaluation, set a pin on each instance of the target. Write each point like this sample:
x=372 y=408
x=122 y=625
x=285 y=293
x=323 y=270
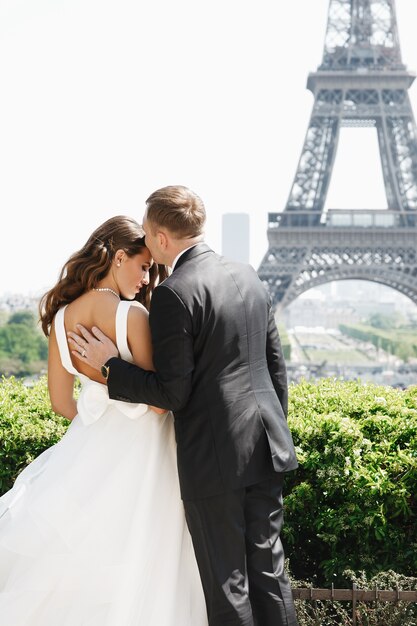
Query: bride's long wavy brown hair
x=87 y=267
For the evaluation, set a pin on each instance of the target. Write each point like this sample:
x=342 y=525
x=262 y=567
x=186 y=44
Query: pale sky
x=104 y=101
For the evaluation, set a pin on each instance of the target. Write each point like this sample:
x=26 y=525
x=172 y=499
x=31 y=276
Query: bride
x=93 y=532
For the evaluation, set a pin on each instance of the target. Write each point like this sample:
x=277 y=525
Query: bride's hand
x=93 y=348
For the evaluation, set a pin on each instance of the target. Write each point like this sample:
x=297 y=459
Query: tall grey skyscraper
x=235 y=236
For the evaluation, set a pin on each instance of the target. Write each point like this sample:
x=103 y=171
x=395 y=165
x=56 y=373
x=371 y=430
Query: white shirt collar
x=175 y=261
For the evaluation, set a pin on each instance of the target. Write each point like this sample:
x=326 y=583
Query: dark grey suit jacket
x=220 y=369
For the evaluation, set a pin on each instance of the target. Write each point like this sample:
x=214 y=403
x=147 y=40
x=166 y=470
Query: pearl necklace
x=107 y=289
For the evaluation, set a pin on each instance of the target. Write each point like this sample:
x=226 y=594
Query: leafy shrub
x=350 y=506
x=352 y=503
x=27 y=427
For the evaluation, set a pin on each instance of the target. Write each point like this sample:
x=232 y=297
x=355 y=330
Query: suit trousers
x=236 y=538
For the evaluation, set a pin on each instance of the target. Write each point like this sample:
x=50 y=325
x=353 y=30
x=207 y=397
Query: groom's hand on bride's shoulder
x=93 y=348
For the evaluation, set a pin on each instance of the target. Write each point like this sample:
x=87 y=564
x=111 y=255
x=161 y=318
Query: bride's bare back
x=94 y=309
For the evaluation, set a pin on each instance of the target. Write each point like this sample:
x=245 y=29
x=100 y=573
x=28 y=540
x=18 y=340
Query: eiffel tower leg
x=390 y=180
x=281 y=266
x=397 y=135
x=311 y=181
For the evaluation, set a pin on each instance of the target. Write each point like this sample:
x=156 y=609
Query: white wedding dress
x=93 y=532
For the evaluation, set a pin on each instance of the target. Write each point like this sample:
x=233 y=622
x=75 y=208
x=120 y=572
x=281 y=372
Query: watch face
x=105 y=371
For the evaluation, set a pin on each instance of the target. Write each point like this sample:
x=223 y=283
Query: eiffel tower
x=361 y=81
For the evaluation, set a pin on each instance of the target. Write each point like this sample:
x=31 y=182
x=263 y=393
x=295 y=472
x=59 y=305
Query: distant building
x=235 y=236
x=12 y=302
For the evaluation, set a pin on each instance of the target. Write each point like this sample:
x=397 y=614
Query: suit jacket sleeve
x=276 y=363
x=173 y=355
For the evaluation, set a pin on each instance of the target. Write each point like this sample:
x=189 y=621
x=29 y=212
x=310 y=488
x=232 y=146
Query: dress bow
x=94 y=400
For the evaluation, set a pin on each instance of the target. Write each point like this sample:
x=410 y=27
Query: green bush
x=352 y=503
x=27 y=426
x=350 y=506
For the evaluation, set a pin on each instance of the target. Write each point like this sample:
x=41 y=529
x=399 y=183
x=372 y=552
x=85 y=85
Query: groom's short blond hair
x=178 y=209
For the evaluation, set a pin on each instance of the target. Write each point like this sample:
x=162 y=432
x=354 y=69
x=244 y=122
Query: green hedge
x=352 y=503
x=27 y=426
x=350 y=506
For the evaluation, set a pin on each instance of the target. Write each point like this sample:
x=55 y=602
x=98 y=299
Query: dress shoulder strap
x=121 y=328
x=61 y=338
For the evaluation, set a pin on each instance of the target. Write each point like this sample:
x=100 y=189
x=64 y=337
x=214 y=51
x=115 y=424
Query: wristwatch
x=105 y=370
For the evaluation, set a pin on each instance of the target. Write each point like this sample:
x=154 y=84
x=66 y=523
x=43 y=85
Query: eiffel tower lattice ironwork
x=362 y=81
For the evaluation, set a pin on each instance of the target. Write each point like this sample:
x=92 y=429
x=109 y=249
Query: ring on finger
x=83 y=353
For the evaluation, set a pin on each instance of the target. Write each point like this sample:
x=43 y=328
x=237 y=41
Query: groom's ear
x=162 y=239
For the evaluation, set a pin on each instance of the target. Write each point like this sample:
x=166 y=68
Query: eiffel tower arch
x=361 y=81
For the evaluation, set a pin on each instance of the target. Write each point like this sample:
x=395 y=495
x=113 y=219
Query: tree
x=386 y=322
x=23 y=317
x=21 y=345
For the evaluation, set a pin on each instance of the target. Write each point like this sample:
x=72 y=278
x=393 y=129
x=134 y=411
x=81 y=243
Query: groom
x=220 y=369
